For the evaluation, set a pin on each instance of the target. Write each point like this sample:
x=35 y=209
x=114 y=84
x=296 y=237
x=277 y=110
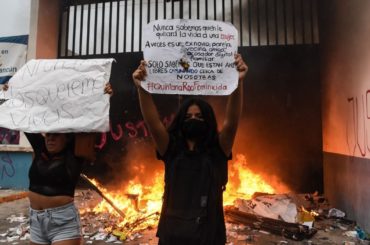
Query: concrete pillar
x=44 y=29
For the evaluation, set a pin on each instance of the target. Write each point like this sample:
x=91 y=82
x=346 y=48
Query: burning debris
x=254 y=212
x=101 y=222
x=134 y=207
x=250 y=215
x=292 y=231
x=277 y=214
x=95 y=188
x=110 y=227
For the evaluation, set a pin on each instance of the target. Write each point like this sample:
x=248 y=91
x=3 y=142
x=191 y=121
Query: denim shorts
x=55 y=224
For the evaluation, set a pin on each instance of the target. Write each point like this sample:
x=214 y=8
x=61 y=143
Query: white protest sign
x=190 y=57
x=63 y=95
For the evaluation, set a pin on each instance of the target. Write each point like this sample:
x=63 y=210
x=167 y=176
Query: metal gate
x=111 y=27
x=279 y=40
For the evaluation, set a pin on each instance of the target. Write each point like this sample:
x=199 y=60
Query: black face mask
x=194 y=129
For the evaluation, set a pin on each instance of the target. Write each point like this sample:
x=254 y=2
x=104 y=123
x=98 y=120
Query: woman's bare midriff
x=40 y=202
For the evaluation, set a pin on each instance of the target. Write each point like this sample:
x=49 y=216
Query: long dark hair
x=211 y=135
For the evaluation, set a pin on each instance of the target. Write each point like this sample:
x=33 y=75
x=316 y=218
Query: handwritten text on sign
x=190 y=57
x=58 y=96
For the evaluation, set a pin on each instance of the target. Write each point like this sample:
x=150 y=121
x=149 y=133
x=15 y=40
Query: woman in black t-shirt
x=195 y=156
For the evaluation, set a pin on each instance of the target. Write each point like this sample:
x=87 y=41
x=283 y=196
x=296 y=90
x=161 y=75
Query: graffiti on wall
x=9 y=137
x=14 y=168
x=131 y=129
x=358 y=126
x=6 y=166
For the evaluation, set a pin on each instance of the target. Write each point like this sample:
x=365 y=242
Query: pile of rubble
x=106 y=226
x=19 y=232
x=288 y=217
x=297 y=217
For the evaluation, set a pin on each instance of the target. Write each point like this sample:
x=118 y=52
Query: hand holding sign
x=5 y=87
x=139 y=74
x=108 y=89
x=241 y=67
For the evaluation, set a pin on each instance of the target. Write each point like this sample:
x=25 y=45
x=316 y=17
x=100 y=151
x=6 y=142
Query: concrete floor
x=235 y=237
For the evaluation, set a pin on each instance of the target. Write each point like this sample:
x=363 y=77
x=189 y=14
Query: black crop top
x=53 y=175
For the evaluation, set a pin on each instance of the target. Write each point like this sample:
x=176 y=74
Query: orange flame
x=313 y=213
x=243 y=183
x=138 y=201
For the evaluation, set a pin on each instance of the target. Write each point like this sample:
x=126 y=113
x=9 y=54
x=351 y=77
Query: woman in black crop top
x=195 y=155
x=54 y=170
x=53 y=176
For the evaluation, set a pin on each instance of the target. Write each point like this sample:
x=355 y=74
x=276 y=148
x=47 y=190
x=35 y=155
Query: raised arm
x=233 y=109
x=149 y=111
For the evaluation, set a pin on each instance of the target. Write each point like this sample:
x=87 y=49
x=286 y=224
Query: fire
x=313 y=213
x=243 y=183
x=141 y=204
x=135 y=200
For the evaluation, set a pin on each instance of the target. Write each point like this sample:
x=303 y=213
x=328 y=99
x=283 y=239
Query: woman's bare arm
x=233 y=109
x=150 y=112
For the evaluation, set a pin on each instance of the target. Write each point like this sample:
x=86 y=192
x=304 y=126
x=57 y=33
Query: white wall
x=346 y=106
x=346 y=80
x=15 y=17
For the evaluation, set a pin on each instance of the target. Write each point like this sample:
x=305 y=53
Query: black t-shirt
x=187 y=175
x=53 y=175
